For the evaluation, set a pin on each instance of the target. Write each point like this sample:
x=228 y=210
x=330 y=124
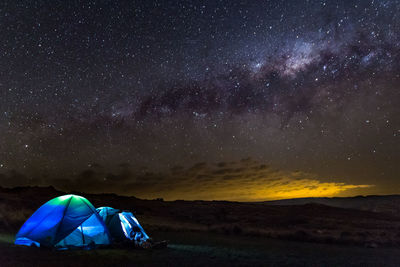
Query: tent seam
x=62 y=218
x=30 y=231
x=101 y=221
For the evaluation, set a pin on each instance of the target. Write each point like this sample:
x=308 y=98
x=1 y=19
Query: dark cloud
x=215 y=182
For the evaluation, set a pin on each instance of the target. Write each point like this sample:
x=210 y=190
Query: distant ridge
x=376 y=203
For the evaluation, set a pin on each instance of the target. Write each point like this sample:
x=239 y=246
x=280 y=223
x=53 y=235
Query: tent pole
x=83 y=236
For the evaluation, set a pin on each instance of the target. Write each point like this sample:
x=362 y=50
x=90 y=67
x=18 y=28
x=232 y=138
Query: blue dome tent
x=64 y=222
x=123 y=226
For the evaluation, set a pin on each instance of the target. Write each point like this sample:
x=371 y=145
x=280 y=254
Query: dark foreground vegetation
x=205 y=249
x=218 y=233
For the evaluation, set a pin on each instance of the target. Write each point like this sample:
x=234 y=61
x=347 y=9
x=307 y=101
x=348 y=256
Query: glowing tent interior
x=64 y=222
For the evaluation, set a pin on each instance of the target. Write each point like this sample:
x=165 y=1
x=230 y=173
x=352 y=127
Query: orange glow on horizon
x=253 y=191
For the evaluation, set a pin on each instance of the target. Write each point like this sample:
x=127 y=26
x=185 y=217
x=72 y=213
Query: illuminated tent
x=122 y=225
x=64 y=222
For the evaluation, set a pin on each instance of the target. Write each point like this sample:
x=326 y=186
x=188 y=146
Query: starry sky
x=235 y=100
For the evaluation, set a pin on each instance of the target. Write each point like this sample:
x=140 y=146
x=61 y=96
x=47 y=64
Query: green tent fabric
x=64 y=222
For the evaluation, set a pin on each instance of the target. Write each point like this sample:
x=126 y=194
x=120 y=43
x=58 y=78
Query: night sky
x=235 y=100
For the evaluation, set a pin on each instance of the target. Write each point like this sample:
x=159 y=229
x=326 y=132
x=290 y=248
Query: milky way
x=309 y=86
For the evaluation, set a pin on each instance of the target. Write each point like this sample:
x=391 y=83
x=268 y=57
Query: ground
x=200 y=249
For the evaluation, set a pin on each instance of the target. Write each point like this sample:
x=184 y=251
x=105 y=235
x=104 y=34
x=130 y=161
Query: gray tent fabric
x=123 y=225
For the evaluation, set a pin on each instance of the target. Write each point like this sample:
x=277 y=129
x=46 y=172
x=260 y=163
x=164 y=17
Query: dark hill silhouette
x=376 y=203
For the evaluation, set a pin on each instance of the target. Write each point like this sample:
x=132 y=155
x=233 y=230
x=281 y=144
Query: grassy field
x=201 y=249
